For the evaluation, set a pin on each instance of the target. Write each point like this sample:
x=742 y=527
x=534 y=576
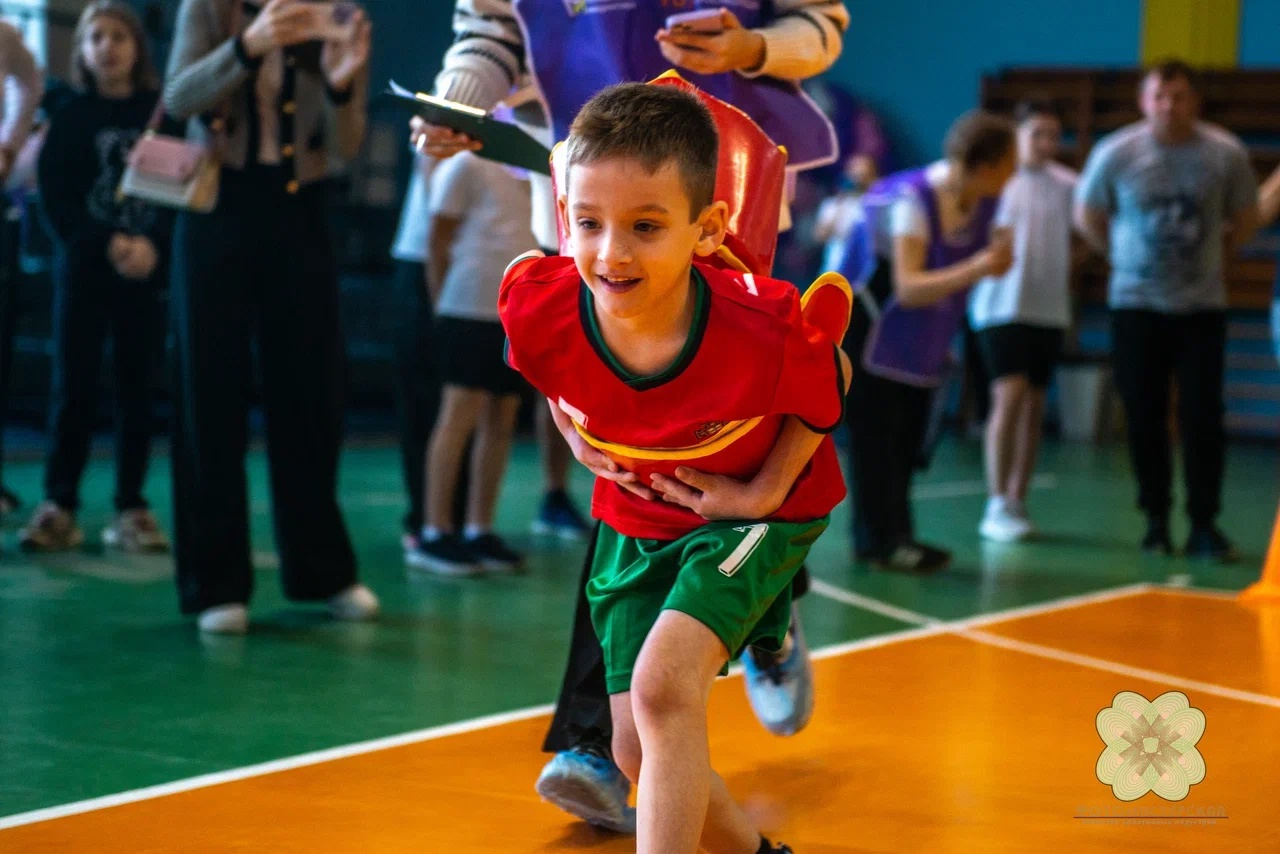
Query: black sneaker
x=558 y=517
x=1209 y=542
x=493 y=554
x=445 y=555
x=1157 y=540
x=8 y=501
x=913 y=557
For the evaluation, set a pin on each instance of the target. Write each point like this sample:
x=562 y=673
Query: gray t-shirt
x=1168 y=206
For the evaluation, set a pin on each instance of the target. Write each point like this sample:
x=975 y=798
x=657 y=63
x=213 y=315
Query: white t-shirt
x=908 y=216
x=838 y=215
x=1037 y=205
x=411 y=235
x=494 y=210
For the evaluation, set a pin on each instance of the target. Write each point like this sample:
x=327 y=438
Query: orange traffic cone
x=1267 y=587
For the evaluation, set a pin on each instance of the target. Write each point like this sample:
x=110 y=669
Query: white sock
x=430 y=533
x=995 y=504
x=473 y=531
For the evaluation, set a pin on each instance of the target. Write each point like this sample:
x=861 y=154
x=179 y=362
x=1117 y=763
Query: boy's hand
x=601 y=466
x=715 y=497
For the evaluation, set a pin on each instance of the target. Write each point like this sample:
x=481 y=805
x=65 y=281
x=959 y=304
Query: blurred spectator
x=261 y=268
x=23 y=86
x=110 y=266
x=1157 y=198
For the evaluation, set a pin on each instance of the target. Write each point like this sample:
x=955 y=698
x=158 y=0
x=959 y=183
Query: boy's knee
x=657 y=693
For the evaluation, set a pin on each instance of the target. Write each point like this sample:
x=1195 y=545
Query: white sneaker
x=1001 y=525
x=229 y=619
x=136 y=531
x=1019 y=510
x=354 y=604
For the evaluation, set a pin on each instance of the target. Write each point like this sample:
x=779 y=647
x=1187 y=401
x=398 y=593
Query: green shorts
x=733 y=577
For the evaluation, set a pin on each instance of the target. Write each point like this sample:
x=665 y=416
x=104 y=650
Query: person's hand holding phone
x=710 y=44
x=280 y=23
x=344 y=55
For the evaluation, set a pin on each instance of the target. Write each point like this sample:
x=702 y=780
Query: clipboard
x=501 y=141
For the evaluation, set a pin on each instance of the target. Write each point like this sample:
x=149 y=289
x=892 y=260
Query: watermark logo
x=1150 y=746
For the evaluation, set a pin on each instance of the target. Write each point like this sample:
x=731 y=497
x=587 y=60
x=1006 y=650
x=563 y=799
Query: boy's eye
x=647 y=227
x=587 y=224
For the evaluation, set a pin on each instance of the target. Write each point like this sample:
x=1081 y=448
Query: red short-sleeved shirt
x=749 y=362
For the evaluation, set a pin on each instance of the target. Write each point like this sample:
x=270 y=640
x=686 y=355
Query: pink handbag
x=173 y=172
x=176 y=172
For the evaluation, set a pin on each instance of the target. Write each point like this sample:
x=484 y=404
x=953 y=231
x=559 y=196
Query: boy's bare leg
x=489 y=456
x=722 y=828
x=1008 y=394
x=1026 y=444
x=681 y=802
x=459 y=409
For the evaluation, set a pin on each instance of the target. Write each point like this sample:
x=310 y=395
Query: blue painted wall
x=1259 y=27
x=919 y=63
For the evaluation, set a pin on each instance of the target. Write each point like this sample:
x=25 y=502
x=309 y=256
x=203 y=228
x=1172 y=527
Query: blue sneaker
x=590 y=787
x=781 y=691
x=560 y=518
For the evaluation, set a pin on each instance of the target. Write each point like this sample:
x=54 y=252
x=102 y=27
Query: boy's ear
x=562 y=211
x=713 y=222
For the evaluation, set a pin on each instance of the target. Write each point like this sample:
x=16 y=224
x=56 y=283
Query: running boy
x=659 y=361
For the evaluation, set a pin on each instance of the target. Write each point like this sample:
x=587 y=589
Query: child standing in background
x=1019 y=317
x=479 y=221
x=110 y=255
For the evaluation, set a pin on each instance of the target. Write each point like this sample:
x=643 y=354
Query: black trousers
x=1149 y=350
x=10 y=279
x=417 y=384
x=887 y=422
x=582 y=717
x=91 y=300
x=259 y=269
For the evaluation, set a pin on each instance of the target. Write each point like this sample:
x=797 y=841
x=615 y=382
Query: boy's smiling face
x=633 y=235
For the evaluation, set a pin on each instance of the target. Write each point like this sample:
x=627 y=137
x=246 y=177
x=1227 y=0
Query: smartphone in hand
x=333 y=22
x=703 y=21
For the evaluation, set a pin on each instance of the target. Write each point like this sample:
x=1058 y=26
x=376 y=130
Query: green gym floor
x=104 y=688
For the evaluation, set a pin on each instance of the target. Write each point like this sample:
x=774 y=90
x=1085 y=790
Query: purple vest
x=578 y=47
x=912 y=345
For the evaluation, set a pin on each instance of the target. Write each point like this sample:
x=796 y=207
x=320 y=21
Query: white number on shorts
x=735 y=560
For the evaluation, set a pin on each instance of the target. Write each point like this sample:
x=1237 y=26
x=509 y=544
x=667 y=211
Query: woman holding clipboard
x=749 y=55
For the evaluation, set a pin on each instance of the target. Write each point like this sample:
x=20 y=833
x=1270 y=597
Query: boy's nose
x=615 y=249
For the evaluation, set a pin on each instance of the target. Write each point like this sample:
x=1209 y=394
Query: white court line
x=933 y=627
x=288 y=763
x=857 y=600
x=1055 y=654
x=968 y=488
x=968 y=628
x=1202 y=592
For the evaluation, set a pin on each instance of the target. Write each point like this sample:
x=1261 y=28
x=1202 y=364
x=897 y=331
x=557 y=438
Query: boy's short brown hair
x=655 y=125
x=979 y=138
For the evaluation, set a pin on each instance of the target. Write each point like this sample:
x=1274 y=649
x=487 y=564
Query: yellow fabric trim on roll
x=831 y=280
x=732 y=432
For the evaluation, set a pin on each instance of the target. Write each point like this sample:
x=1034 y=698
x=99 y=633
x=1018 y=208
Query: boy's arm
x=594 y=459
x=714 y=496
